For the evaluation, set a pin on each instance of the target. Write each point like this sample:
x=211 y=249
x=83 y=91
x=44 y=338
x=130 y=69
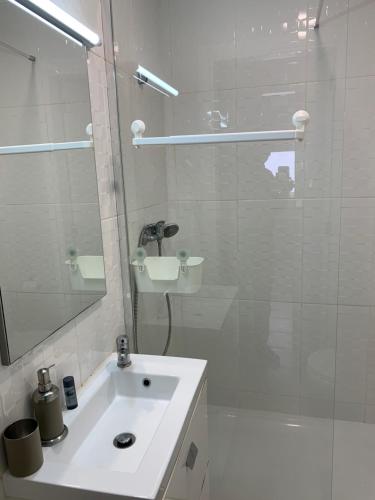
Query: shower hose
x=135 y=314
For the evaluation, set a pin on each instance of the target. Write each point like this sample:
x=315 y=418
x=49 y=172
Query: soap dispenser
x=48 y=409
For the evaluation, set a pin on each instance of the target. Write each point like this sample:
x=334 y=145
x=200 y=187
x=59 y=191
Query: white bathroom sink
x=153 y=400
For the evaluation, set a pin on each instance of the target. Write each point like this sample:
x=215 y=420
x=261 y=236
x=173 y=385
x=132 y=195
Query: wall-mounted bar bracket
x=146 y=77
x=142 y=80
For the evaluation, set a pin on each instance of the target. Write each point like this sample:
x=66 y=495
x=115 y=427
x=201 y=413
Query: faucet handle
x=123 y=351
x=122 y=342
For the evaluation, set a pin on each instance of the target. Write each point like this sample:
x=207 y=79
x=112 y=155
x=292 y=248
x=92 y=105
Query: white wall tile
x=356 y=267
x=318 y=352
x=270 y=42
x=269 y=402
x=270 y=249
x=326 y=57
x=203 y=173
x=370 y=364
x=359 y=129
x=68 y=121
x=321 y=226
x=23 y=125
x=269 y=107
x=320 y=408
x=210 y=331
x=190 y=112
x=201 y=59
x=219 y=396
x=361 y=38
x=33 y=227
x=31 y=317
x=269 y=346
x=370 y=414
x=65 y=354
x=322 y=147
x=354 y=327
x=349 y=411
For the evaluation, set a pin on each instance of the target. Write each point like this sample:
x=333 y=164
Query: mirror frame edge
x=4 y=346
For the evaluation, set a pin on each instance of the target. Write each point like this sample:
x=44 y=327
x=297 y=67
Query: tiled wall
x=84 y=343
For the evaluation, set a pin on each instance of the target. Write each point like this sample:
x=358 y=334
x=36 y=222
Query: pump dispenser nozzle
x=44 y=379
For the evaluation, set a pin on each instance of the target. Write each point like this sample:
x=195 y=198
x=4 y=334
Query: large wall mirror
x=51 y=253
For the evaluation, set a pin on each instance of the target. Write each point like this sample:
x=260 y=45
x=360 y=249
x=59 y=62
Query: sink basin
x=152 y=400
x=122 y=404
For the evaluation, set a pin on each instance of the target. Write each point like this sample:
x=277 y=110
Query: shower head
x=170 y=229
x=156 y=232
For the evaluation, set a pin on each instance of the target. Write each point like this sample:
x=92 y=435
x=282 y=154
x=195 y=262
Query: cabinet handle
x=192 y=456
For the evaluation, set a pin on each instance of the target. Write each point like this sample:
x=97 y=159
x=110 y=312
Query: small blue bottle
x=70 y=392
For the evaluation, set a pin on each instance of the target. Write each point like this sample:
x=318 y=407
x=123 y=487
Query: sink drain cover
x=124 y=440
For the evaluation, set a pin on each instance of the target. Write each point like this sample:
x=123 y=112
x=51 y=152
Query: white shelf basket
x=87 y=273
x=165 y=275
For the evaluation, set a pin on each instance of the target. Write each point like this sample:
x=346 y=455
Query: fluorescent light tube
x=156 y=80
x=60 y=20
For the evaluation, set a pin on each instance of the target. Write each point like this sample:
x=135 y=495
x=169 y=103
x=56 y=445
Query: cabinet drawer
x=189 y=471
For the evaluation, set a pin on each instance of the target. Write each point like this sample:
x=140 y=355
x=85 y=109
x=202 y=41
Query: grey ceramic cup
x=23 y=447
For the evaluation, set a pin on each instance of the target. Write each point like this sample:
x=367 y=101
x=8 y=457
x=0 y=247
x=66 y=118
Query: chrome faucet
x=123 y=351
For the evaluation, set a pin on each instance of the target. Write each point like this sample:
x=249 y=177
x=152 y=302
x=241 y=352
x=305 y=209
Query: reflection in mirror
x=51 y=265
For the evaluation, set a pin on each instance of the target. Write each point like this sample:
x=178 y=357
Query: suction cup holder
x=140 y=256
x=300 y=119
x=183 y=256
x=138 y=128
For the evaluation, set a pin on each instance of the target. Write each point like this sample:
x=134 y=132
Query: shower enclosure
x=284 y=312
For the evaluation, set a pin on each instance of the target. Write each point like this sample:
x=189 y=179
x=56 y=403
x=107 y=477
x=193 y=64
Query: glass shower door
x=262 y=216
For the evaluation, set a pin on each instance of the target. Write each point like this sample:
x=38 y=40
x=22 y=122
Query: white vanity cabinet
x=189 y=478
